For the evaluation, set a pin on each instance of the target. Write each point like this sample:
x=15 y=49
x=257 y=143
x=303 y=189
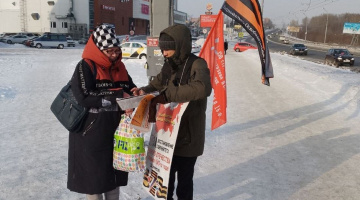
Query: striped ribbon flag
x=248 y=14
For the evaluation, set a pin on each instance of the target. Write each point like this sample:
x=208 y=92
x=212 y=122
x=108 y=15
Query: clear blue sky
x=280 y=11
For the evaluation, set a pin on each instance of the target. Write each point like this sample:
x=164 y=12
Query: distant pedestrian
x=225 y=46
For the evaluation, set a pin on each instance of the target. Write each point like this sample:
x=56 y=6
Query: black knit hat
x=166 y=42
x=105 y=37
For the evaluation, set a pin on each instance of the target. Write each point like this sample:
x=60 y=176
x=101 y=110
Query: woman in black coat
x=90 y=167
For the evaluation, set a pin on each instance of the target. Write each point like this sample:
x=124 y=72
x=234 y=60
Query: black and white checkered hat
x=105 y=37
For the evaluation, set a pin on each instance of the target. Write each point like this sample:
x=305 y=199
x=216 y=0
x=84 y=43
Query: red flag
x=248 y=14
x=213 y=53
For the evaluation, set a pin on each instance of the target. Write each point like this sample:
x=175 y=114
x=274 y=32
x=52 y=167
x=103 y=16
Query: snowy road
x=297 y=139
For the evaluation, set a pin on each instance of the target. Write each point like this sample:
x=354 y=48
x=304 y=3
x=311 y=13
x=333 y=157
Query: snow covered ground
x=297 y=139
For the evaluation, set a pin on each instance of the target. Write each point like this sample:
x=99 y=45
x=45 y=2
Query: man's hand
x=136 y=91
x=161 y=99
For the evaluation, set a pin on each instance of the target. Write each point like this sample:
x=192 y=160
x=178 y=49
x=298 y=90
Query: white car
x=16 y=39
x=50 y=40
x=195 y=48
x=70 y=42
x=134 y=49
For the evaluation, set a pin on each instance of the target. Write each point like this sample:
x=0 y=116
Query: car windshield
x=299 y=45
x=342 y=51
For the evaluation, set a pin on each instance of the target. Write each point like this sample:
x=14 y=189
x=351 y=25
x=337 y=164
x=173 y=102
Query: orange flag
x=213 y=53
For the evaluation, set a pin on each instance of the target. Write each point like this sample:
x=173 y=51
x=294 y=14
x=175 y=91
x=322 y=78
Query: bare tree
x=316 y=28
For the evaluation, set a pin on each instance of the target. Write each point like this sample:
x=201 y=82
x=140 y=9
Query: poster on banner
x=161 y=149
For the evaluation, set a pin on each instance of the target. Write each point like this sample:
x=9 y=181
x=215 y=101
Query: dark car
x=299 y=49
x=339 y=57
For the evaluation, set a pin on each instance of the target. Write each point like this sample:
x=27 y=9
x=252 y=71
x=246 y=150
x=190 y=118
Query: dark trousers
x=184 y=166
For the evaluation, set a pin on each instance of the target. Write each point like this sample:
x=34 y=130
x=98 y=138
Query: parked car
x=195 y=48
x=70 y=42
x=83 y=40
x=16 y=39
x=4 y=36
x=134 y=49
x=30 y=35
x=286 y=41
x=50 y=40
x=339 y=57
x=243 y=46
x=30 y=41
x=300 y=49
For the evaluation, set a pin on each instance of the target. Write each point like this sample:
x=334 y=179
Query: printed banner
x=248 y=14
x=213 y=53
x=161 y=149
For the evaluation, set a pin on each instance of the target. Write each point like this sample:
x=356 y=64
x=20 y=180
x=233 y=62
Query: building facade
x=78 y=18
x=130 y=17
x=39 y=16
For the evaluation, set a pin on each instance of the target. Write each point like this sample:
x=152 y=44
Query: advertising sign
x=207 y=20
x=352 y=28
x=293 y=29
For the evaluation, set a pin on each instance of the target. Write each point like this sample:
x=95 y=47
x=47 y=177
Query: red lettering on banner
x=163 y=157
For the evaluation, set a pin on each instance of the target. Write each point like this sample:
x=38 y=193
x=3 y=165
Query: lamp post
x=327 y=20
x=306 y=25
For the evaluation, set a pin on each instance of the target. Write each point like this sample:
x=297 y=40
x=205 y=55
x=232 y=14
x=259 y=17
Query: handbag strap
x=94 y=69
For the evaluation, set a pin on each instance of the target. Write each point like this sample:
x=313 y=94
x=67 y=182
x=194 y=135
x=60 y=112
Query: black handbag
x=67 y=110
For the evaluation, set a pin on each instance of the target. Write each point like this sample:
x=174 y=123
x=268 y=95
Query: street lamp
x=327 y=20
x=306 y=24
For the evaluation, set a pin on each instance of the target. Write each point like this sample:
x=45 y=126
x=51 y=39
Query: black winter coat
x=90 y=158
x=195 y=90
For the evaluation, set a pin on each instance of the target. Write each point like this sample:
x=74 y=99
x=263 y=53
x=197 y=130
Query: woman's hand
x=129 y=112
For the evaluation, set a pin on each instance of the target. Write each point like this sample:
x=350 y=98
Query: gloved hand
x=152 y=108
